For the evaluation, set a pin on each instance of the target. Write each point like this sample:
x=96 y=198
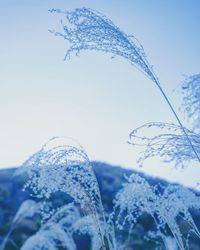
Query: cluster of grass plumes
x=61 y=230
x=166 y=141
x=165 y=207
x=62 y=165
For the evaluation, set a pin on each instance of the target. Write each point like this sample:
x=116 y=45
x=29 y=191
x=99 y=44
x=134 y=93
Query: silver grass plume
x=50 y=239
x=165 y=140
x=190 y=89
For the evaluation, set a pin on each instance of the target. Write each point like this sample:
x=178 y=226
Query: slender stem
x=96 y=219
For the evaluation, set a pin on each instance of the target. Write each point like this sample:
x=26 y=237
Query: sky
x=92 y=98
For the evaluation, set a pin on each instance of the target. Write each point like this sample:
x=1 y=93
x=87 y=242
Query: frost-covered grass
x=86 y=216
x=62 y=165
x=133 y=201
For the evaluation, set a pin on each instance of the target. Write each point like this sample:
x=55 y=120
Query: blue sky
x=92 y=98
